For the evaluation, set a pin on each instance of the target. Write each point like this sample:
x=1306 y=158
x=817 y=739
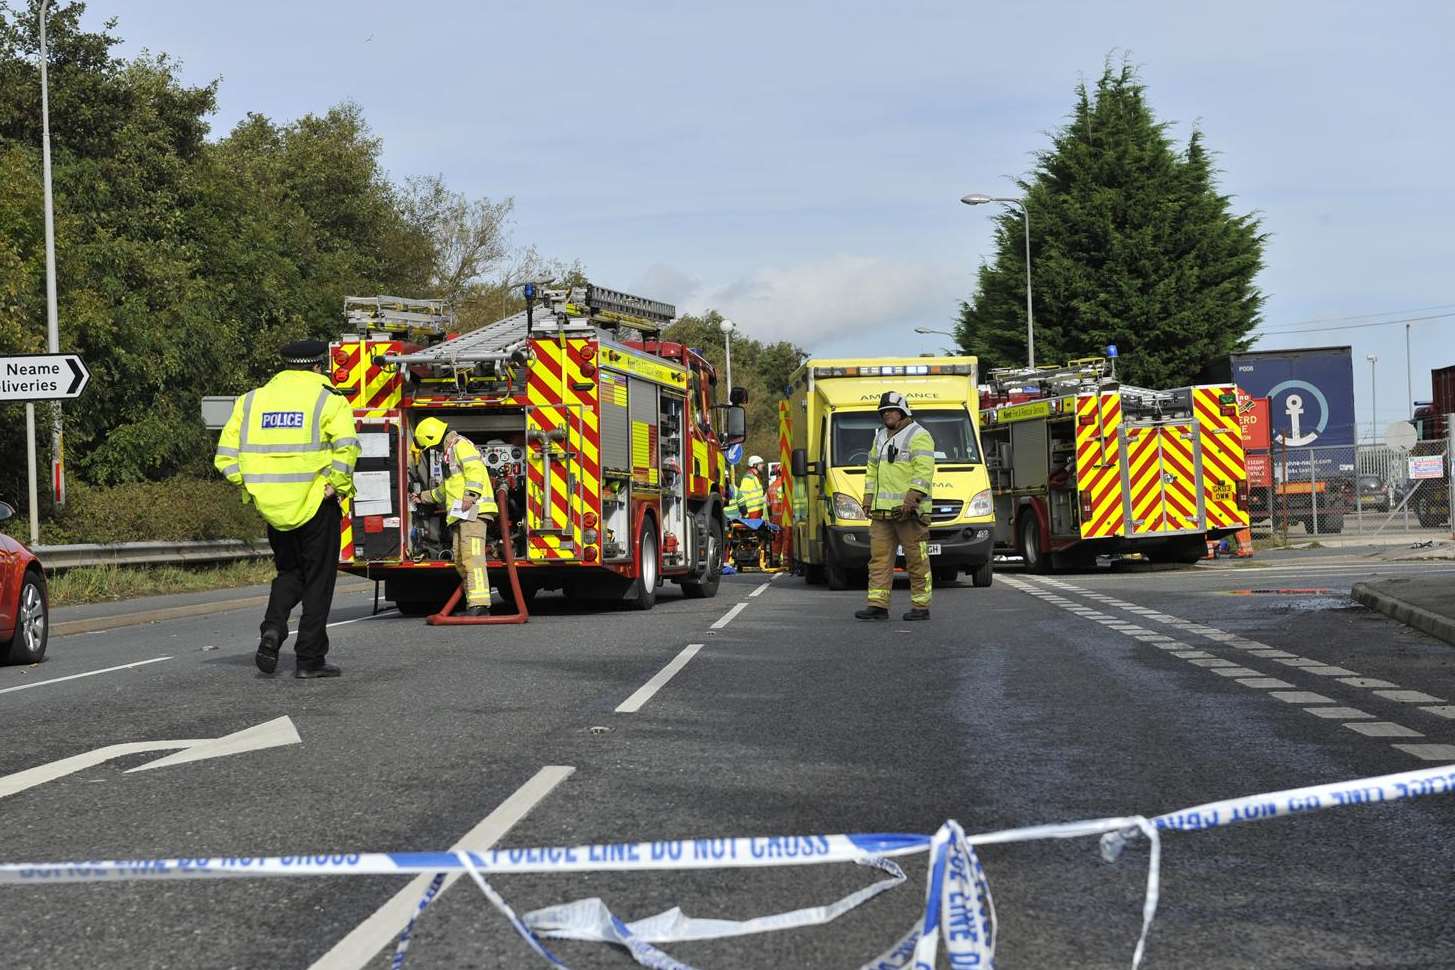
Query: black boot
x=476 y=611
x=267 y=656
x=317 y=668
x=872 y=613
x=918 y=613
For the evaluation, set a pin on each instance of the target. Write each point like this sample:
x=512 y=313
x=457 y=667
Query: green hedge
x=176 y=510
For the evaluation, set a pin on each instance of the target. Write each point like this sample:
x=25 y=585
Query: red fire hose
x=521 y=615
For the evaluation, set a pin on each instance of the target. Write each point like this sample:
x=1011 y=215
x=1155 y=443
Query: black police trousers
x=307 y=562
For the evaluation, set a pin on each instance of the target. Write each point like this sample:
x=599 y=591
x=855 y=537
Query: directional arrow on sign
x=270 y=734
x=43 y=377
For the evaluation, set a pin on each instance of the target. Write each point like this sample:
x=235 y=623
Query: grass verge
x=102 y=584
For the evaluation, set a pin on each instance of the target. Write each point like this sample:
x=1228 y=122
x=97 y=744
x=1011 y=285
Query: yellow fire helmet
x=430 y=432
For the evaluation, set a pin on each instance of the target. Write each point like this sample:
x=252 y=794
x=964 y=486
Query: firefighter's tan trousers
x=913 y=535
x=470 y=556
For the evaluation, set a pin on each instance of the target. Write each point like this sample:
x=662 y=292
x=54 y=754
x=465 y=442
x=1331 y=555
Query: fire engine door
x=1161 y=482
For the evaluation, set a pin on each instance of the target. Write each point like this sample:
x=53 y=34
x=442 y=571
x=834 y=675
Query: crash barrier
x=959 y=912
x=445 y=616
x=149 y=553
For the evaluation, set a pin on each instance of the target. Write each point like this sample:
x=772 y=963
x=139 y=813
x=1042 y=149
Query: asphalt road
x=1042 y=699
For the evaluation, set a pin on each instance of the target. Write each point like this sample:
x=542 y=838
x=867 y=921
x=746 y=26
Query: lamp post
x=1373 y=419
x=727 y=327
x=976 y=198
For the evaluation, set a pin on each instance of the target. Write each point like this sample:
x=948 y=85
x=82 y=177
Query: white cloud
x=826 y=301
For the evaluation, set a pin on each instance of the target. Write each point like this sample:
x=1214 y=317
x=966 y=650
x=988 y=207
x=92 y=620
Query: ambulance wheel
x=983 y=575
x=707 y=587
x=946 y=575
x=644 y=590
x=834 y=573
x=1037 y=561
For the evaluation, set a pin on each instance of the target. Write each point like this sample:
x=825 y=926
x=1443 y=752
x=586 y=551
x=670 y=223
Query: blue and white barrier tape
x=959 y=911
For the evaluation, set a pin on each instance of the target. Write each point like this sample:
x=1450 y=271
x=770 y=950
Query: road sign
x=1400 y=435
x=42 y=377
x=734 y=454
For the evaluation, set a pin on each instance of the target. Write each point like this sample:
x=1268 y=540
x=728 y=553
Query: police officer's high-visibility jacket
x=464 y=472
x=750 y=497
x=284 y=442
x=899 y=462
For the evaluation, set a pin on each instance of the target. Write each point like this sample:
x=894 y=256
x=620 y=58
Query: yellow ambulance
x=826 y=426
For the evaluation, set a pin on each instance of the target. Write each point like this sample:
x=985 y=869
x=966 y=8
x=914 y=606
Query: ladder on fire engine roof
x=1089 y=374
x=576 y=312
x=395 y=314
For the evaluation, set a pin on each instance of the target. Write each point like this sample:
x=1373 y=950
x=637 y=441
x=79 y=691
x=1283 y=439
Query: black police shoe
x=267 y=656
x=476 y=611
x=872 y=613
x=918 y=613
x=319 y=669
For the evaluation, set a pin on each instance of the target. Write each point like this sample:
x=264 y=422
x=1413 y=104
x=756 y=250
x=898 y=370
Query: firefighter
x=469 y=500
x=750 y=490
x=778 y=512
x=900 y=476
x=291 y=445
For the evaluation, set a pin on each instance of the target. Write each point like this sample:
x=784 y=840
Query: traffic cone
x=1245 y=543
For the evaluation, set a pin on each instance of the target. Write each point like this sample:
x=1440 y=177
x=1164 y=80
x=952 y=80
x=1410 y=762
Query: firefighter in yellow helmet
x=751 y=497
x=900 y=477
x=291 y=446
x=469 y=500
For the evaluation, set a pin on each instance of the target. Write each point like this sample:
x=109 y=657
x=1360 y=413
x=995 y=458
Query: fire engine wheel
x=645 y=595
x=707 y=587
x=1036 y=559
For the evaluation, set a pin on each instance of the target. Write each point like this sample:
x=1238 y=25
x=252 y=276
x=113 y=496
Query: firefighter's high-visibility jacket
x=464 y=472
x=284 y=442
x=750 y=497
x=899 y=462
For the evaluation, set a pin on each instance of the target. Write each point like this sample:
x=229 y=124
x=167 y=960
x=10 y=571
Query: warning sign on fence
x=1427 y=466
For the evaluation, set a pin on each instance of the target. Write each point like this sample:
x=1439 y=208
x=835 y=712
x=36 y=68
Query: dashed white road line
x=360 y=619
x=760 y=589
x=644 y=693
x=729 y=615
x=89 y=673
x=359 y=948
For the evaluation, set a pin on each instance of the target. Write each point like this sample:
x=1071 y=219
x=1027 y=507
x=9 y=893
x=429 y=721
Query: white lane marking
x=761 y=588
x=276 y=733
x=89 y=673
x=1366 y=682
x=644 y=693
x=1271 y=653
x=1342 y=713
x=364 y=942
x=1428 y=752
x=1407 y=696
x=1236 y=672
x=1447 y=712
x=1210 y=662
x=40 y=774
x=1300 y=697
x=1383 y=729
x=360 y=619
x=728 y=616
x=1265 y=683
x=1328 y=671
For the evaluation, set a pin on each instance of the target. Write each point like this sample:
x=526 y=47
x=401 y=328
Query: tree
x=1131 y=244
x=762 y=368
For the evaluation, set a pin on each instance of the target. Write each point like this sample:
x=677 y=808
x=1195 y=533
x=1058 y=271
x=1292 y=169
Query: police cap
x=305 y=352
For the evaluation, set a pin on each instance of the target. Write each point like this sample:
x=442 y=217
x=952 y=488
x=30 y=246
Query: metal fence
x=1373 y=491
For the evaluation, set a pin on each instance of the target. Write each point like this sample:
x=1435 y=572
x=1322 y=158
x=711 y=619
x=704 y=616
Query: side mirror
x=734 y=425
x=6 y=511
x=798 y=462
x=739 y=396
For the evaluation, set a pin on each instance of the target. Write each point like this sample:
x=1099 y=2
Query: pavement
x=1041 y=699
x=1424 y=602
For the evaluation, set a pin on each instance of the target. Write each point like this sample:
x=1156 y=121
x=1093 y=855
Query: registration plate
x=934 y=548
x=1222 y=491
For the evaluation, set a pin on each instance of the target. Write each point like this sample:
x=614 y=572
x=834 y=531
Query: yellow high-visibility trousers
x=884 y=536
x=470 y=558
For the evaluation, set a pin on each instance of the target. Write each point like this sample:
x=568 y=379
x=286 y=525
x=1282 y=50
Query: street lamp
x=1373 y=419
x=943 y=333
x=727 y=327
x=975 y=198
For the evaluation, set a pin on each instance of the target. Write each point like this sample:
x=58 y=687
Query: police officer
x=469 y=501
x=291 y=446
x=901 y=476
x=750 y=490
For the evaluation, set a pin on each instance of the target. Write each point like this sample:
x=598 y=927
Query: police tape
x=959 y=912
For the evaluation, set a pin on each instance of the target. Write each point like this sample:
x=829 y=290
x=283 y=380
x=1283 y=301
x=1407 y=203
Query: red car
x=24 y=607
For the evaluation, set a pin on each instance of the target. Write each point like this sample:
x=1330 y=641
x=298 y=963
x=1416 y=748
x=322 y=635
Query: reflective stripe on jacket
x=284 y=441
x=912 y=466
x=464 y=472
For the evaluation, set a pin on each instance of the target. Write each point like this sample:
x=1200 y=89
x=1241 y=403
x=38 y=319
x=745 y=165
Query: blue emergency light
x=1111 y=350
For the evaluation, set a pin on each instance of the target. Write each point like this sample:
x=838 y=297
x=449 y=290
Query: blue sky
x=798 y=164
